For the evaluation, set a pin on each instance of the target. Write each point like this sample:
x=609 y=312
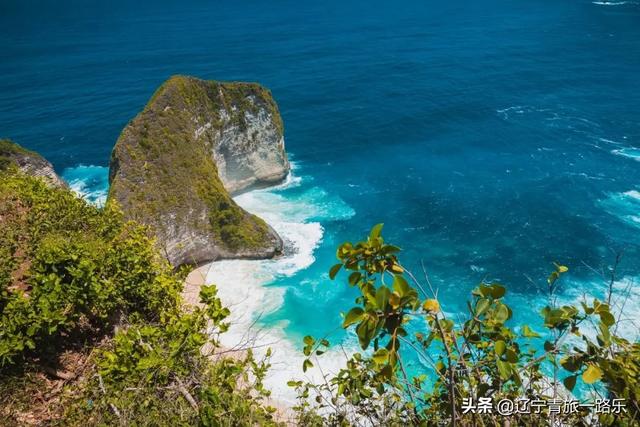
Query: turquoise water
x=492 y=138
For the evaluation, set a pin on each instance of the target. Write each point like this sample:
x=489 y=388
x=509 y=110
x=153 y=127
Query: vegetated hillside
x=92 y=327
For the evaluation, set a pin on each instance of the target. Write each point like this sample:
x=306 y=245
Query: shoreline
x=253 y=289
x=190 y=294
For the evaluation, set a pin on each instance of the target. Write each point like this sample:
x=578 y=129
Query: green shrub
x=159 y=374
x=70 y=275
x=480 y=356
x=79 y=266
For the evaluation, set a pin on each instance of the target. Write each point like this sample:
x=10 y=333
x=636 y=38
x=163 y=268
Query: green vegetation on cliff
x=92 y=327
x=13 y=156
x=9 y=150
x=237 y=97
x=164 y=176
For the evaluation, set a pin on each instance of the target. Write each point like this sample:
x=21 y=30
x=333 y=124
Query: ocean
x=491 y=138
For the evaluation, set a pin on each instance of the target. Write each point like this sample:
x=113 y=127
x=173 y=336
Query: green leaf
x=484 y=290
x=308 y=340
x=527 y=332
x=400 y=285
x=366 y=331
x=497 y=291
x=570 y=382
x=306 y=365
x=500 y=347
x=354 y=315
x=394 y=300
x=354 y=278
x=605 y=335
x=511 y=356
x=505 y=369
x=591 y=374
x=607 y=318
x=570 y=363
x=390 y=249
x=502 y=313
x=381 y=356
x=334 y=270
x=375 y=231
x=481 y=306
x=382 y=297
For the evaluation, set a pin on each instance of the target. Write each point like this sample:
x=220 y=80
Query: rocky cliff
x=176 y=163
x=28 y=162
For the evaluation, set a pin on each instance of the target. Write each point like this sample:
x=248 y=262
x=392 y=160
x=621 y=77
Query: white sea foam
x=243 y=284
x=609 y=141
x=631 y=153
x=634 y=194
x=89 y=182
x=624 y=205
x=507 y=112
x=625 y=304
x=613 y=3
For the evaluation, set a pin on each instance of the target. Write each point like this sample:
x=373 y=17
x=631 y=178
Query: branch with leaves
x=480 y=356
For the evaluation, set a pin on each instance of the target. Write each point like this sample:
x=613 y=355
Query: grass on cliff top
x=165 y=178
x=9 y=149
x=235 y=97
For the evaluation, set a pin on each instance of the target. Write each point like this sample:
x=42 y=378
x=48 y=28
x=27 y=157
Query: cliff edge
x=28 y=162
x=176 y=163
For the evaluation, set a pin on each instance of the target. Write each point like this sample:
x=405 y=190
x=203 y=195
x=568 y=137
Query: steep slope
x=176 y=162
x=28 y=162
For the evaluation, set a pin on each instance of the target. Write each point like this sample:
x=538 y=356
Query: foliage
x=9 y=150
x=479 y=357
x=75 y=276
x=158 y=374
x=69 y=266
x=77 y=280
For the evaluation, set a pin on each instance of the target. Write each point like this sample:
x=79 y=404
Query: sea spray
x=250 y=288
x=623 y=205
x=89 y=182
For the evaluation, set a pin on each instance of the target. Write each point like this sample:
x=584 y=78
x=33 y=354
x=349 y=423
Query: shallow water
x=491 y=138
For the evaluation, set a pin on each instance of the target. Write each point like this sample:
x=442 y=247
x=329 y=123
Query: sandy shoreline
x=190 y=294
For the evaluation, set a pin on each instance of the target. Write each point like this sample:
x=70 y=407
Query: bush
x=160 y=374
x=78 y=282
x=70 y=267
x=481 y=357
x=77 y=278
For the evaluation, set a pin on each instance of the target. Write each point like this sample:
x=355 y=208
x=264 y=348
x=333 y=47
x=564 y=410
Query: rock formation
x=176 y=163
x=28 y=162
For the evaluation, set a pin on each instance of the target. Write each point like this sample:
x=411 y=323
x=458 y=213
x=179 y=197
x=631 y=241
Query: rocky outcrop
x=176 y=163
x=247 y=137
x=28 y=162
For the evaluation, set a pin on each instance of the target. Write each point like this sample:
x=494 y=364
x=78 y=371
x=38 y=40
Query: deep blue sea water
x=492 y=138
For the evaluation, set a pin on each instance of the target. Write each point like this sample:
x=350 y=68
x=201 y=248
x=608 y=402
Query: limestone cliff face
x=28 y=162
x=176 y=163
x=248 y=140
